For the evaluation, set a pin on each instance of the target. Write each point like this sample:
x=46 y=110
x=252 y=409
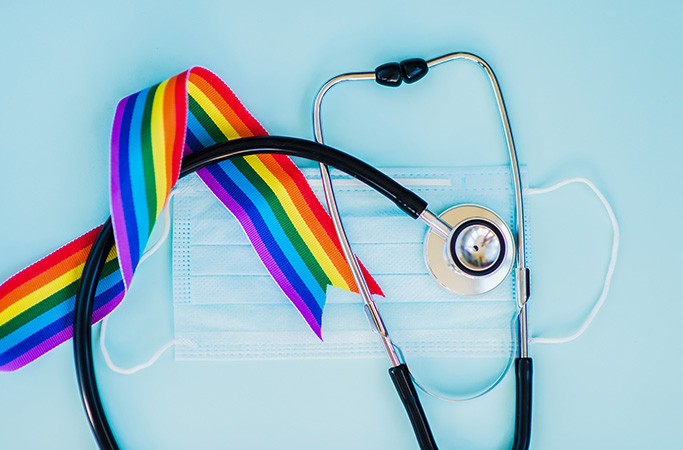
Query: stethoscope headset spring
x=457 y=251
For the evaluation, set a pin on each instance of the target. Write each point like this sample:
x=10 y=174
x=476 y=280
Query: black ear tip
x=389 y=74
x=414 y=69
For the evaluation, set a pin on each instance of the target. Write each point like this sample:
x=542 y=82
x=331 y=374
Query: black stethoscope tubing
x=405 y=199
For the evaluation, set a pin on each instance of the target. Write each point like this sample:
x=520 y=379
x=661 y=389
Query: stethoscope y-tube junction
x=409 y=202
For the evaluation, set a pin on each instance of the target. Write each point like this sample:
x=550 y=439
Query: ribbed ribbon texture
x=283 y=219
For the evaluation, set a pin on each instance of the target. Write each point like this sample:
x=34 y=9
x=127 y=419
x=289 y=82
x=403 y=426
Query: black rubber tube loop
x=404 y=198
x=85 y=298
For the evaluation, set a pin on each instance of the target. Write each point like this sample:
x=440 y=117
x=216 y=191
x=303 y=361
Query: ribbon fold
x=153 y=129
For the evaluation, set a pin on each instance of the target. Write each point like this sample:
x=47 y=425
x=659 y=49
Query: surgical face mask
x=226 y=306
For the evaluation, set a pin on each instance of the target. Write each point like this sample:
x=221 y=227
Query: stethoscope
x=469 y=250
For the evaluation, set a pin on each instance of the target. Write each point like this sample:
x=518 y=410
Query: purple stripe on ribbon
x=260 y=248
x=39 y=350
x=121 y=195
x=66 y=332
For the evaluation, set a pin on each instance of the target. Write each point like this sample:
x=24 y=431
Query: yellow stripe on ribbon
x=45 y=291
x=159 y=154
x=209 y=107
x=299 y=222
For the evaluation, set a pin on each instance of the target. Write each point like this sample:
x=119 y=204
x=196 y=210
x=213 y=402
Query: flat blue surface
x=592 y=89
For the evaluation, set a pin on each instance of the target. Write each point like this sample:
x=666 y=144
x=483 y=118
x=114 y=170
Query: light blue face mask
x=227 y=307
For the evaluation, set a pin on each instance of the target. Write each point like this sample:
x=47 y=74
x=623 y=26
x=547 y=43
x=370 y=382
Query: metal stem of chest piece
x=432 y=220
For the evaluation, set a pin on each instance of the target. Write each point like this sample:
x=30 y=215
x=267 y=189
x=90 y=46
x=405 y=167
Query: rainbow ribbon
x=286 y=224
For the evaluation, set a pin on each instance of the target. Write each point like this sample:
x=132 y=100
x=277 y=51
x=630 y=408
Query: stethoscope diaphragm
x=478 y=254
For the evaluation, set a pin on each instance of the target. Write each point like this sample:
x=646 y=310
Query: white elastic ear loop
x=610 y=267
x=103 y=329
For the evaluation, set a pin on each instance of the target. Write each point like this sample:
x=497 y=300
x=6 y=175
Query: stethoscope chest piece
x=478 y=254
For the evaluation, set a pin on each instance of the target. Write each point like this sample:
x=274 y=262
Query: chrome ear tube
x=469 y=249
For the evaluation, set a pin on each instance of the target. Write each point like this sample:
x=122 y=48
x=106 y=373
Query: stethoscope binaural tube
x=405 y=199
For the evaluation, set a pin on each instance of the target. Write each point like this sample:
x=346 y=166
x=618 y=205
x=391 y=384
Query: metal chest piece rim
x=478 y=254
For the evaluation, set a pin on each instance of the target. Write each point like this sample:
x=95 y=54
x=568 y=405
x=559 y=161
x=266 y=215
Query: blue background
x=593 y=90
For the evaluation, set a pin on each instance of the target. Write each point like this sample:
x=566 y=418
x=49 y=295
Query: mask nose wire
x=433 y=221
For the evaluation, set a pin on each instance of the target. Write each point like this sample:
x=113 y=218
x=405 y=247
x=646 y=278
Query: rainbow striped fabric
x=37 y=304
x=286 y=224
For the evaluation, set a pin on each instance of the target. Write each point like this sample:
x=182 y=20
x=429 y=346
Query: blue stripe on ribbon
x=124 y=179
x=58 y=325
x=265 y=233
x=30 y=328
x=275 y=227
x=200 y=134
x=192 y=142
x=137 y=172
x=270 y=231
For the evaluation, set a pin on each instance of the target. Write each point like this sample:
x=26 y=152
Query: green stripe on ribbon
x=50 y=302
x=284 y=221
x=148 y=157
x=206 y=122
